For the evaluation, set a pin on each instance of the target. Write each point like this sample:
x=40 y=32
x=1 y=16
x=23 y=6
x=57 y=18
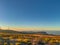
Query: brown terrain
x=17 y=38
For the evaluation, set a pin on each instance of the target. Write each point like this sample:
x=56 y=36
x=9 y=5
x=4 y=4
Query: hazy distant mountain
x=30 y=32
x=22 y=32
x=54 y=32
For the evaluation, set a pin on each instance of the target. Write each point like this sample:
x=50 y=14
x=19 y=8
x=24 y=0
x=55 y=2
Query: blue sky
x=30 y=13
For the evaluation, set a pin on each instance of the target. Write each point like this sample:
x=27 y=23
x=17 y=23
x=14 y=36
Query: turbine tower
x=8 y=28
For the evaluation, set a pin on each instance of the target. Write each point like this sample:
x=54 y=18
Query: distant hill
x=21 y=32
x=54 y=32
x=8 y=31
x=31 y=32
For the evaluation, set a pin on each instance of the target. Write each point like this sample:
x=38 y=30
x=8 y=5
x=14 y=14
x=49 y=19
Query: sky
x=30 y=14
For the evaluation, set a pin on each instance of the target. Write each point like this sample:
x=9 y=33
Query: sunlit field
x=13 y=38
